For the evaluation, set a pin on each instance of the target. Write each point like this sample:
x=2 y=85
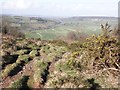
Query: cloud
x=19 y=4
x=59 y=7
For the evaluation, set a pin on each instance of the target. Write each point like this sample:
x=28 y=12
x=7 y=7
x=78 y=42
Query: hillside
x=64 y=53
x=51 y=28
x=29 y=23
x=35 y=63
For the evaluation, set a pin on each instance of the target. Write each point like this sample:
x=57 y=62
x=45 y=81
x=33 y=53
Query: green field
x=87 y=26
x=53 y=33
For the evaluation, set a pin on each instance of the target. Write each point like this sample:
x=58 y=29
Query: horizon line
x=60 y=16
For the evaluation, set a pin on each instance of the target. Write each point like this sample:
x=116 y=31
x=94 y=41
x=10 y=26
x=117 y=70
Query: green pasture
x=88 y=27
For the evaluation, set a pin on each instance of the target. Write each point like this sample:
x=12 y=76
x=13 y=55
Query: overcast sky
x=60 y=7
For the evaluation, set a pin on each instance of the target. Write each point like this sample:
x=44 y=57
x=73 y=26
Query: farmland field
x=67 y=25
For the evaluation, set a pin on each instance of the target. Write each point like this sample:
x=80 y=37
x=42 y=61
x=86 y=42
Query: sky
x=61 y=8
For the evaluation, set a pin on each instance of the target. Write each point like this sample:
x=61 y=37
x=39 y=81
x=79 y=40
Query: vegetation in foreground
x=92 y=63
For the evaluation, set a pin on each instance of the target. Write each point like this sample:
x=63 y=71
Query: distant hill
x=53 y=27
x=30 y=23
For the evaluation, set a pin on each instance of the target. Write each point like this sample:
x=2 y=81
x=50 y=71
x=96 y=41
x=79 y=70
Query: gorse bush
x=23 y=59
x=104 y=48
x=76 y=46
x=10 y=69
x=33 y=53
x=101 y=50
x=40 y=71
x=20 y=84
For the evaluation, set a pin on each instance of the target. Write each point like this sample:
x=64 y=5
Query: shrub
x=33 y=53
x=75 y=46
x=59 y=79
x=33 y=46
x=20 y=83
x=45 y=49
x=21 y=52
x=9 y=69
x=72 y=36
x=41 y=71
x=103 y=49
x=59 y=42
x=10 y=30
x=90 y=83
x=76 y=36
x=23 y=58
x=30 y=82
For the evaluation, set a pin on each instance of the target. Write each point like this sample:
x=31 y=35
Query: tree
x=6 y=28
x=72 y=36
x=5 y=25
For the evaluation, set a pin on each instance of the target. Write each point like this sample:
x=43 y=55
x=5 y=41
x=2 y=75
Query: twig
x=110 y=69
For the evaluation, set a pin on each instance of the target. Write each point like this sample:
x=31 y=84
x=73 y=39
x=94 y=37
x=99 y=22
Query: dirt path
x=27 y=70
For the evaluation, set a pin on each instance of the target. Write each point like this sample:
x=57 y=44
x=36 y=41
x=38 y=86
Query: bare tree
x=6 y=28
x=72 y=36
